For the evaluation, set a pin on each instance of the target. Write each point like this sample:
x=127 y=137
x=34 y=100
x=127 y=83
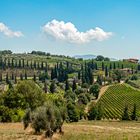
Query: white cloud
x=8 y=32
x=68 y=32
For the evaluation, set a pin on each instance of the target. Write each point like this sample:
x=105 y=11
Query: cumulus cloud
x=68 y=32
x=8 y=32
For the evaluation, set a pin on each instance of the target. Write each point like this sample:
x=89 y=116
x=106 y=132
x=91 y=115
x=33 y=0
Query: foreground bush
x=48 y=118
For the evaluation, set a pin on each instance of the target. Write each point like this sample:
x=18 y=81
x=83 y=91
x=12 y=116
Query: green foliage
x=125 y=115
x=94 y=90
x=67 y=87
x=5 y=114
x=43 y=76
x=53 y=87
x=74 y=86
x=48 y=117
x=118 y=75
x=73 y=114
x=95 y=112
x=30 y=95
x=92 y=114
x=134 y=113
x=82 y=99
x=134 y=77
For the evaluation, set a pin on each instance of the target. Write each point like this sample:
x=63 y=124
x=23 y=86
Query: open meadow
x=84 y=130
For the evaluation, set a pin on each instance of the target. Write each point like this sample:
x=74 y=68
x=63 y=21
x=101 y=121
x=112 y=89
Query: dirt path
x=101 y=93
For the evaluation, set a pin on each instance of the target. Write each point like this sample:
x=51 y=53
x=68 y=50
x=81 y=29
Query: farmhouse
x=132 y=60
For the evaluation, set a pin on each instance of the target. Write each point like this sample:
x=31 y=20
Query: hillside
x=116 y=97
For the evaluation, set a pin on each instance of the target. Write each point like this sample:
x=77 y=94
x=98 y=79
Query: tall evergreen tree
x=134 y=115
x=91 y=78
x=23 y=63
x=103 y=67
x=106 y=71
x=34 y=78
x=21 y=76
x=45 y=87
x=79 y=75
x=12 y=77
x=114 y=65
x=125 y=115
x=7 y=78
x=12 y=63
x=99 y=80
x=15 y=79
x=74 y=86
x=110 y=67
x=1 y=77
x=42 y=65
x=122 y=66
x=26 y=75
x=67 y=86
x=52 y=87
x=19 y=63
x=52 y=74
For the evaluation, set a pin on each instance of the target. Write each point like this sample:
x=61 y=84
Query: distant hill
x=85 y=57
x=90 y=56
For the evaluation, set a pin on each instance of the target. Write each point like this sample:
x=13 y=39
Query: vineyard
x=116 y=98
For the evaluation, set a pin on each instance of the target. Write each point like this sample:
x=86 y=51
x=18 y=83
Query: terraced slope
x=116 y=97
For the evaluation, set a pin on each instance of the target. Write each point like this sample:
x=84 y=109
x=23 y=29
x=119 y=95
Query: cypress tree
x=35 y=64
x=110 y=67
x=16 y=65
x=31 y=65
x=52 y=74
x=26 y=75
x=23 y=63
x=21 y=76
x=96 y=66
x=7 y=78
x=103 y=67
x=67 y=87
x=125 y=115
x=114 y=65
x=1 y=77
x=15 y=79
x=27 y=63
x=134 y=115
x=118 y=65
x=45 y=87
x=138 y=67
x=99 y=80
x=12 y=76
x=100 y=112
x=74 y=86
x=38 y=65
x=55 y=72
x=106 y=71
x=34 y=78
x=91 y=78
x=42 y=65
x=9 y=63
x=79 y=75
x=52 y=87
x=122 y=66
x=19 y=65
x=12 y=63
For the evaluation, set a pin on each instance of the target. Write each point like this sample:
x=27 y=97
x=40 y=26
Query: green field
x=116 y=98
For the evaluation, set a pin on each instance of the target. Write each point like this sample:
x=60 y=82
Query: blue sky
x=29 y=17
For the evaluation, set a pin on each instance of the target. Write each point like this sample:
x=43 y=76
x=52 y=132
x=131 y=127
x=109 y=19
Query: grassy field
x=116 y=97
x=95 y=130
